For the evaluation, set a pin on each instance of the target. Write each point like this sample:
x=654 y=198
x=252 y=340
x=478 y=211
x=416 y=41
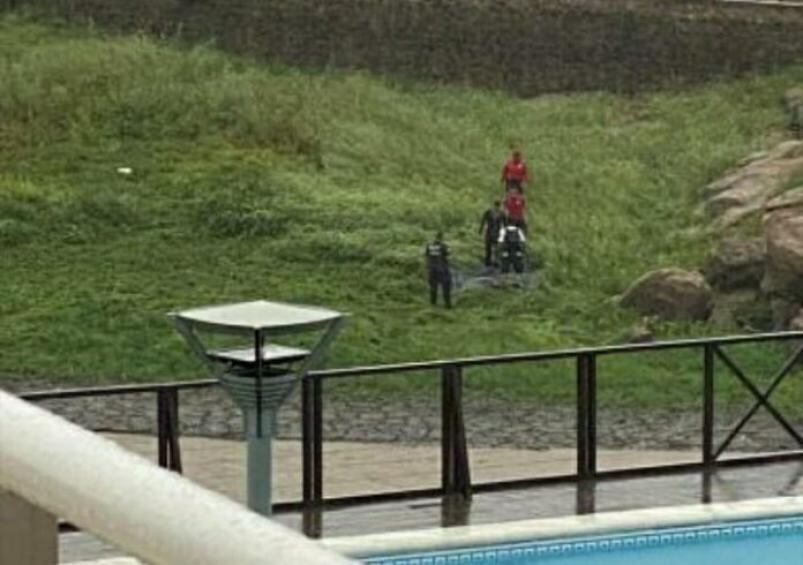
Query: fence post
x=586 y=416
x=311 y=490
x=317 y=432
x=455 y=469
x=455 y=511
x=705 y=494
x=307 y=451
x=708 y=405
x=311 y=442
x=585 y=496
x=168 y=429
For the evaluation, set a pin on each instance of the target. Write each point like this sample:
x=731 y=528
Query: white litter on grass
x=124 y=170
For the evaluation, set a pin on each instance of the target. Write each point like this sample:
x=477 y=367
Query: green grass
x=254 y=181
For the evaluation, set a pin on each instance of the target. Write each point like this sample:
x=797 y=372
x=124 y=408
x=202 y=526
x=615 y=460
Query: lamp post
x=258 y=372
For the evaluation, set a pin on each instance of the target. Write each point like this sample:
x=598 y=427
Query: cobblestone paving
x=490 y=422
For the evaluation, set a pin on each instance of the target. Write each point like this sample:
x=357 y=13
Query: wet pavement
x=736 y=484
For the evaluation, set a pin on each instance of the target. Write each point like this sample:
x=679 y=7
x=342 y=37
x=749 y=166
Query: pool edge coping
x=455 y=537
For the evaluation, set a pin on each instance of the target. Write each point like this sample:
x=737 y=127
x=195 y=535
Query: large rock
x=783 y=233
x=793 y=105
x=789 y=200
x=670 y=294
x=782 y=311
x=796 y=323
x=747 y=189
x=742 y=309
x=736 y=263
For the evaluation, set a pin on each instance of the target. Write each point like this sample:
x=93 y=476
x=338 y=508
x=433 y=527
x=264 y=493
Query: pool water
x=760 y=542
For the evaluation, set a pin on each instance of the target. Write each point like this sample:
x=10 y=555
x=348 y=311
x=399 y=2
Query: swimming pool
x=761 y=532
x=766 y=542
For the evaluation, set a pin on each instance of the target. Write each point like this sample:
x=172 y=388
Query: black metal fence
x=455 y=464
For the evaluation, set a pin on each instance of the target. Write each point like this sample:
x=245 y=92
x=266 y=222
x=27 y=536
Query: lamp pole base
x=260 y=473
x=259 y=404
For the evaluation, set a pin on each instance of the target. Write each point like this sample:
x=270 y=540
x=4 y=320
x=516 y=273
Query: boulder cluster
x=753 y=278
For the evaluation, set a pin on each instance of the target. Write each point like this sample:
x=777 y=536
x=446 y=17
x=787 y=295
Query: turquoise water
x=762 y=542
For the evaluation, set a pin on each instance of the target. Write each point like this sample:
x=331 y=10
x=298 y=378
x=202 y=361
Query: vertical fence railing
x=312 y=441
x=455 y=472
x=708 y=405
x=455 y=465
x=311 y=455
x=586 y=416
x=168 y=429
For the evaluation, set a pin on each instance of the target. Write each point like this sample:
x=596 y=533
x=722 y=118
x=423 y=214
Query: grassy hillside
x=258 y=181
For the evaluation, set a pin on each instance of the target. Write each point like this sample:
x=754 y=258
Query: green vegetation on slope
x=258 y=181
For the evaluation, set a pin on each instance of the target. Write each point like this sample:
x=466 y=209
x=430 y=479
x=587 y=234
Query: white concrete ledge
x=557 y=528
x=147 y=512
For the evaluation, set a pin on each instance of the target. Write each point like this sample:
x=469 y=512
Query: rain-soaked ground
x=555 y=500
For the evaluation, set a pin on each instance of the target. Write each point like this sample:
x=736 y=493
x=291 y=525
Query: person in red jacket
x=514 y=173
x=515 y=205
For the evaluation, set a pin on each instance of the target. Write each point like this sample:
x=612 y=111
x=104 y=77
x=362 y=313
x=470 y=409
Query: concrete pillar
x=28 y=534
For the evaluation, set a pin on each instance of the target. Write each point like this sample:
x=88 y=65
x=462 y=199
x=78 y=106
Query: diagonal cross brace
x=762 y=399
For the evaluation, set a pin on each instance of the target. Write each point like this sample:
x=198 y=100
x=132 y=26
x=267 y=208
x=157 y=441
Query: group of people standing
x=503 y=227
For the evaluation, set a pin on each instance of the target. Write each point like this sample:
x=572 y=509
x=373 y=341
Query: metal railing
x=455 y=465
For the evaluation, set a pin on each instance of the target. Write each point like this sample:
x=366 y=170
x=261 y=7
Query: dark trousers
x=440 y=279
x=490 y=251
x=512 y=259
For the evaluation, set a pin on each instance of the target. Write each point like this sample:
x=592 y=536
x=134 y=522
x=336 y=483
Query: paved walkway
x=394 y=445
x=374 y=464
x=352 y=468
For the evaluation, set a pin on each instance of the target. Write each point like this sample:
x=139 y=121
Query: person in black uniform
x=491 y=223
x=437 y=255
x=511 y=247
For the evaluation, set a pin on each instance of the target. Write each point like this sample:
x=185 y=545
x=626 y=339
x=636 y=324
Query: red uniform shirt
x=514 y=205
x=514 y=171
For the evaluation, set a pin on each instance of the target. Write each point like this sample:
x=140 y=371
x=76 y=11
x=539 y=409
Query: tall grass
x=252 y=181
